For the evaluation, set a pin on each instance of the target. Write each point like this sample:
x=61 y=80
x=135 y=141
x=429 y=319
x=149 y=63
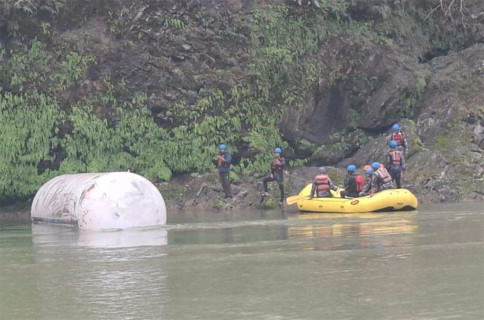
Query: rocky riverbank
x=153 y=86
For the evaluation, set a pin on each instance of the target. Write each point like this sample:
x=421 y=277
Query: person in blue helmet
x=223 y=161
x=277 y=168
x=382 y=180
x=396 y=163
x=399 y=137
x=353 y=183
x=369 y=181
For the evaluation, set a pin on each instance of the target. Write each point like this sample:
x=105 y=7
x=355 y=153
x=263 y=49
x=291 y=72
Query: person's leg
x=281 y=189
x=398 y=178
x=265 y=182
x=225 y=176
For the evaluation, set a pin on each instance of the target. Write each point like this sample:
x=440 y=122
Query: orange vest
x=396 y=157
x=322 y=183
x=384 y=175
x=398 y=138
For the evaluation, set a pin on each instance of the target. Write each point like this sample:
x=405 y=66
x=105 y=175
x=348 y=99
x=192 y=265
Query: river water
x=260 y=265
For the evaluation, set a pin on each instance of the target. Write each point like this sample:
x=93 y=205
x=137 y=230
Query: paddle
x=295 y=199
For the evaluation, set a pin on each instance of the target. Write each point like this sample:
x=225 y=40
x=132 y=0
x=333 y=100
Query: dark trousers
x=280 y=182
x=224 y=178
x=396 y=174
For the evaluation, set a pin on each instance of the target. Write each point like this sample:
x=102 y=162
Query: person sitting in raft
x=396 y=163
x=223 y=161
x=369 y=181
x=322 y=185
x=353 y=183
x=382 y=180
x=399 y=137
x=277 y=174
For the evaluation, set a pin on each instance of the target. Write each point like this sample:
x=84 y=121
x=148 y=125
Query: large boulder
x=370 y=87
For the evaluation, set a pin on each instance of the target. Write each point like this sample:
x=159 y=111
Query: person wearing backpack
x=353 y=183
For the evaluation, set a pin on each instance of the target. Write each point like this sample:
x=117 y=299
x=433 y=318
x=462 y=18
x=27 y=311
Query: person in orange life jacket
x=399 y=137
x=382 y=180
x=369 y=181
x=277 y=173
x=322 y=185
x=353 y=183
x=396 y=163
x=223 y=161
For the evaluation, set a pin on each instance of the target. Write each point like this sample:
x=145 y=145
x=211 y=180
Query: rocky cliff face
x=324 y=79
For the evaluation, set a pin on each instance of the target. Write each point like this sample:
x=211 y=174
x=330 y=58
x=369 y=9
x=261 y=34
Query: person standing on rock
x=353 y=183
x=399 y=137
x=277 y=174
x=223 y=161
x=322 y=185
x=396 y=163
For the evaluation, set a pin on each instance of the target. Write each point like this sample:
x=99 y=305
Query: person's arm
x=389 y=160
x=404 y=165
x=227 y=159
x=332 y=186
x=313 y=190
x=374 y=184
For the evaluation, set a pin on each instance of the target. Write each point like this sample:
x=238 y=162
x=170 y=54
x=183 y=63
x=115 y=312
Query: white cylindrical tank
x=98 y=201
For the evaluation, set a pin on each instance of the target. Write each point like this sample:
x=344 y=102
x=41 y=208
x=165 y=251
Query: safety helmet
x=222 y=146
x=376 y=165
x=277 y=150
x=369 y=170
x=395 y=127
x=322 y=170
x=351 y=168
x=392 y=144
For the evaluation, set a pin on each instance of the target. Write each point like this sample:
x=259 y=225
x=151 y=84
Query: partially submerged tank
x=99 y=201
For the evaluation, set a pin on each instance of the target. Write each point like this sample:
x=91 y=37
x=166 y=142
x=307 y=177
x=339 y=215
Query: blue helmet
x=351 y=168
x=223 y=146
x=376 y=165
x=392 y=144
x=277 y=150
x=368 y=170
x=396 y=127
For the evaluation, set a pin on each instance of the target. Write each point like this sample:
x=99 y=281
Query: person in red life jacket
x=223 y=161
x=322 y=185
x=396 y=163
x=369 y=181
x=399 y=137
x=382 y=180
x=277 y=174
x=353 y=183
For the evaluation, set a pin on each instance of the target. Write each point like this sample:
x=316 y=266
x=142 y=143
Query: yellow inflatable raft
x=387 y=200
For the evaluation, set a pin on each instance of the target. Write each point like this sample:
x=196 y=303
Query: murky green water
x=425 y=265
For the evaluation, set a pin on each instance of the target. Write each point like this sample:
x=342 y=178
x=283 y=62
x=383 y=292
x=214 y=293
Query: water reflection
x=357 y=231
x=113 y=275
x=46 y=235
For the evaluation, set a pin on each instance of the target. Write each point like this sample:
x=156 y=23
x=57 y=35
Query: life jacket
x=322 y=183
x=396 y=157
x=384 y=175
x=221 y=163
x=398 y=137
x=360 y=182
x=277 y=165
